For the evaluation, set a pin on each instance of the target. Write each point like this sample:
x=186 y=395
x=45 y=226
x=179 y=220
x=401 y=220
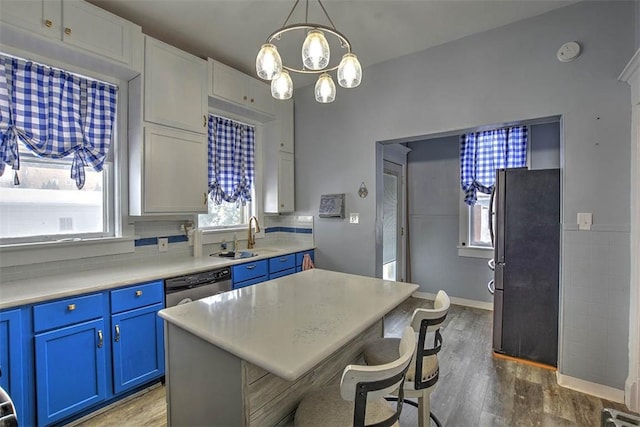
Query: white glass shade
x=315 y=50
x=282 y=86
x=325 y=89
x=268 y=62
x=349 y=71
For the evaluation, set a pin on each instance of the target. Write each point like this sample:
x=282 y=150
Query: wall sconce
x=362 y=191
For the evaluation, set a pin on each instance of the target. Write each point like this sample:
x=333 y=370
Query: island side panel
x=204 y=382
x=272 y=400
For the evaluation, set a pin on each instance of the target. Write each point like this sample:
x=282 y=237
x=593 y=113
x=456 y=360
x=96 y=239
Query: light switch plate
x=584 y=221
x=354 y=218
x=163 y=244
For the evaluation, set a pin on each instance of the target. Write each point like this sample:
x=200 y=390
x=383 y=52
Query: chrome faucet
x=251 y=240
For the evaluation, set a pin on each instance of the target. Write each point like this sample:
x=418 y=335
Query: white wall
x=504 y=75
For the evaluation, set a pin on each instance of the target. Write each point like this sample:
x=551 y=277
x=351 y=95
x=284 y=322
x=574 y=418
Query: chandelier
x=316 y=59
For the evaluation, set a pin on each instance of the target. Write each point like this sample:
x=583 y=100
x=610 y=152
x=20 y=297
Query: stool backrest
x=425 y=321
x=363 y=383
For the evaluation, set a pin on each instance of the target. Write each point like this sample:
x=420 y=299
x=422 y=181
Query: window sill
x=35 y=253
x=475 y=252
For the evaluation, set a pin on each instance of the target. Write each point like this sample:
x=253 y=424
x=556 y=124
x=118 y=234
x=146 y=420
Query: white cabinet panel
x=75 y=23
x=285 y=117
x=39 y=16
x=175 y=171
x=229 y=84
x=175 y=91
x=94 y=29
x=286 y=189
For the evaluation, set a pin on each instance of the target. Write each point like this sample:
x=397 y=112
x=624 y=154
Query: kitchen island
x=246 y=357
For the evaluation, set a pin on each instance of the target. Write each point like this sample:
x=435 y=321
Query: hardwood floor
x=474 y=389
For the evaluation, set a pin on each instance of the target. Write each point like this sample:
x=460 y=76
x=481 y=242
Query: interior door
x=393 y=259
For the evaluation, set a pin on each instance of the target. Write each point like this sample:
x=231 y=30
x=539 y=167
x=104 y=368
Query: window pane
x=479 y=222
x=224 y=215
x=47 y=201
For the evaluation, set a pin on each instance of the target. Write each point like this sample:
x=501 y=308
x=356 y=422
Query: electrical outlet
x=354 y=218
x=163 y=244
x=584 y=221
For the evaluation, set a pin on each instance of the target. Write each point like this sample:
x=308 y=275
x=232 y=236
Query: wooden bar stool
x=359 y=398
x=423 y=372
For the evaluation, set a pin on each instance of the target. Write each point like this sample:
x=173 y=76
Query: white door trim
x=631 y=75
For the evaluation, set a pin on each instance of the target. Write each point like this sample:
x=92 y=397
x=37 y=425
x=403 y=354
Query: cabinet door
x=285 y=117
x=286 y=189
x=260 y=98
x=11 y=366
x=43 y=17
x=175 y=171
x=228 y=83
x=70 y=370
x=96 y=30
x=175 y=91
x=138 y=347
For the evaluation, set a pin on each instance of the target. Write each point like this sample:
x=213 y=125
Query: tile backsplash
x=278 y=229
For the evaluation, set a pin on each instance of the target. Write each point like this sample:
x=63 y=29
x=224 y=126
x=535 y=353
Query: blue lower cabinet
x=300 y=257
x=138 y=347
x=70 y=370
x=11 y=359
x=249 y=273
x=282 y=273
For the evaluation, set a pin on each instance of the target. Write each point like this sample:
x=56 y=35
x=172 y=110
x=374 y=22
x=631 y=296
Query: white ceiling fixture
x=315 y=56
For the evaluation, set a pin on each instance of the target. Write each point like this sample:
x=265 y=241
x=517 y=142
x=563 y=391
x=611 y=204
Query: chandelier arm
x=291 y=12
x=326 y=14
x=286 y=29
x=307 y=71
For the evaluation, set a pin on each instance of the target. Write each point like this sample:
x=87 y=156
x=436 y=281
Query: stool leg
x=424 y=409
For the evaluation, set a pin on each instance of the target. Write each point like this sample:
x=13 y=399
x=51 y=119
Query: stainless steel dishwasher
x=184 y=289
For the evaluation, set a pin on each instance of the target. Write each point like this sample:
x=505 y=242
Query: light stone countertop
x=290 y=324
x=29 y=291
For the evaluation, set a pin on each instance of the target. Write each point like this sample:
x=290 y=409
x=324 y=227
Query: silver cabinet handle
x=251 y=267
x=117 y=338
x=283 y=259
x=100 y=338
x=491 y=286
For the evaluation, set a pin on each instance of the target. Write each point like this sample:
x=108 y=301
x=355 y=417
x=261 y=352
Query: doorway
x=393 y=264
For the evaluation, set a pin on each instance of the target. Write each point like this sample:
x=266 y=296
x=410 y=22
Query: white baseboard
x=598 y=390
x=457 y=301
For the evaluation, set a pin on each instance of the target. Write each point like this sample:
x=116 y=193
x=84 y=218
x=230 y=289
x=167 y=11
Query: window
x=225 y=215
x=479 y=233
x=62 y=186
x=48 y=206
x=481 y=154
x=231 y=164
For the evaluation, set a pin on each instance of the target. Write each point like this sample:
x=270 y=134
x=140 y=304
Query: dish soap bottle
x=235 y=242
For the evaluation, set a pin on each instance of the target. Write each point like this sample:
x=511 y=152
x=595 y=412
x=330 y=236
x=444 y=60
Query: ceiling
x=232 y=31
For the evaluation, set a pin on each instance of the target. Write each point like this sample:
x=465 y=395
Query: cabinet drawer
x=67 y=312
x=282 y=273
x=300 y=256
x=238 y=285
x=251 y=270
x=283 y=262
x=136 y=296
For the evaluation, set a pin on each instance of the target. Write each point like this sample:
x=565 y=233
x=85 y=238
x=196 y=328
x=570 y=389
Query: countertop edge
x=289 y=375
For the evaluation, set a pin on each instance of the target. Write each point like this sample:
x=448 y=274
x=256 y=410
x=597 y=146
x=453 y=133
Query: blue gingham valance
x=55 y=114
x=481 y=153
x=231 y=160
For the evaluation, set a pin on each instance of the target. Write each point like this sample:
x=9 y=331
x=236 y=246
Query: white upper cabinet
x=232 y=86
x=285 y=118
x=75 y=23
x=175 y=87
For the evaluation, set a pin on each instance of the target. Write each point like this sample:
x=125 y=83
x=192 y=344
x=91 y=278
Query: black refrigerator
x=527 y=264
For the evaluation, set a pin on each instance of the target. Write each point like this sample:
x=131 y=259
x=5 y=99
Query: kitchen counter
x=257 y=350
x=30 y=291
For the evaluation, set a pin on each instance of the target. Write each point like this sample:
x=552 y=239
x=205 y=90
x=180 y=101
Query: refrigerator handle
x=491 y=200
